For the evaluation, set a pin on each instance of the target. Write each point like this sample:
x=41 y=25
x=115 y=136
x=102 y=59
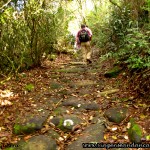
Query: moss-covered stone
x=76 y=104
x=60 y=125
x=55 y=85
x=64 y=92
x=27 y=128
x=65 y=80
x=29 y=124
x=91 y=106
x=40 y=142
x=53 y=134
x=117 y=114
x=113 y=72
x=59 y=111
x=66 y=123
x=10 y=148
x=134 y=132
x=92 y=134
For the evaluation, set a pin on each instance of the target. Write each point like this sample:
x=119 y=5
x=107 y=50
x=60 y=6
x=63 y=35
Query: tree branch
x=5 y=4
x=114 y=3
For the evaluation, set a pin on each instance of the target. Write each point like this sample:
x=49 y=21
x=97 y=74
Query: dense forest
x=32 y=31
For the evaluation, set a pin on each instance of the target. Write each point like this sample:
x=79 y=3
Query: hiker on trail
x=83 y=39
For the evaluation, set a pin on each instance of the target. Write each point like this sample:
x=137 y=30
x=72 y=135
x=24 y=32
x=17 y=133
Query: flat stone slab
x=82 y=83
x=85 y=82
x=59 y=111
x=40 y=142
x=71 y=70
x=91 y=106
x=55 y=85
x=92 y=134
x=116 y=114
x=66 y=123
x=30 y=124
x=76 y=103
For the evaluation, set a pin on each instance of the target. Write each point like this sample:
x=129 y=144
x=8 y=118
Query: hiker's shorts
x=86 y=50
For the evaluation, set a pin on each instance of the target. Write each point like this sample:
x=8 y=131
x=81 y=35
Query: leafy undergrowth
x=23 y=94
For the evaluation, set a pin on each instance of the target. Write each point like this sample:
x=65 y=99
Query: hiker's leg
x=84 y=51
x=89 y=51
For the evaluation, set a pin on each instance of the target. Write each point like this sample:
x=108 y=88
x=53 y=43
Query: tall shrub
x=28 y=34
x=131 y=35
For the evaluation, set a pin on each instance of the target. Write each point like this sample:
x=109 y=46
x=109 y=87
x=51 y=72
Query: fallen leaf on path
x=135 y=106
x=114 y=128
x=27 y=137
x=45 y=129
x=142 y=116
x=4 y=134
x=6 y=93
x=5 y=103
x=61 y=139
x=126 y=137
x=106 y=136
x=114 y=137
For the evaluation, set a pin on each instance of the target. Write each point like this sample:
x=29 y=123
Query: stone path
x=72 y=112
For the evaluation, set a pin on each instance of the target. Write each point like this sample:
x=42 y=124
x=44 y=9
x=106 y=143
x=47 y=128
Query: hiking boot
x=89 y=61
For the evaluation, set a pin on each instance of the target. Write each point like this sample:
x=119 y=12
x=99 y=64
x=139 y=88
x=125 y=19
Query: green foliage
x=29 y=87
x=129 y=33
x=132 y=42
x=120 y=21
x=51 y=57
x=27 y=35
x=148 y=137
x=147 y=5
x=97 y=20
x=136 y=50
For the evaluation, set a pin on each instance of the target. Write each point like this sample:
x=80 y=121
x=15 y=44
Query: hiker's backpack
x=84 y=36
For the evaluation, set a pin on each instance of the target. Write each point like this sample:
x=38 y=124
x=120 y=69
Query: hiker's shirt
x=89 y=31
